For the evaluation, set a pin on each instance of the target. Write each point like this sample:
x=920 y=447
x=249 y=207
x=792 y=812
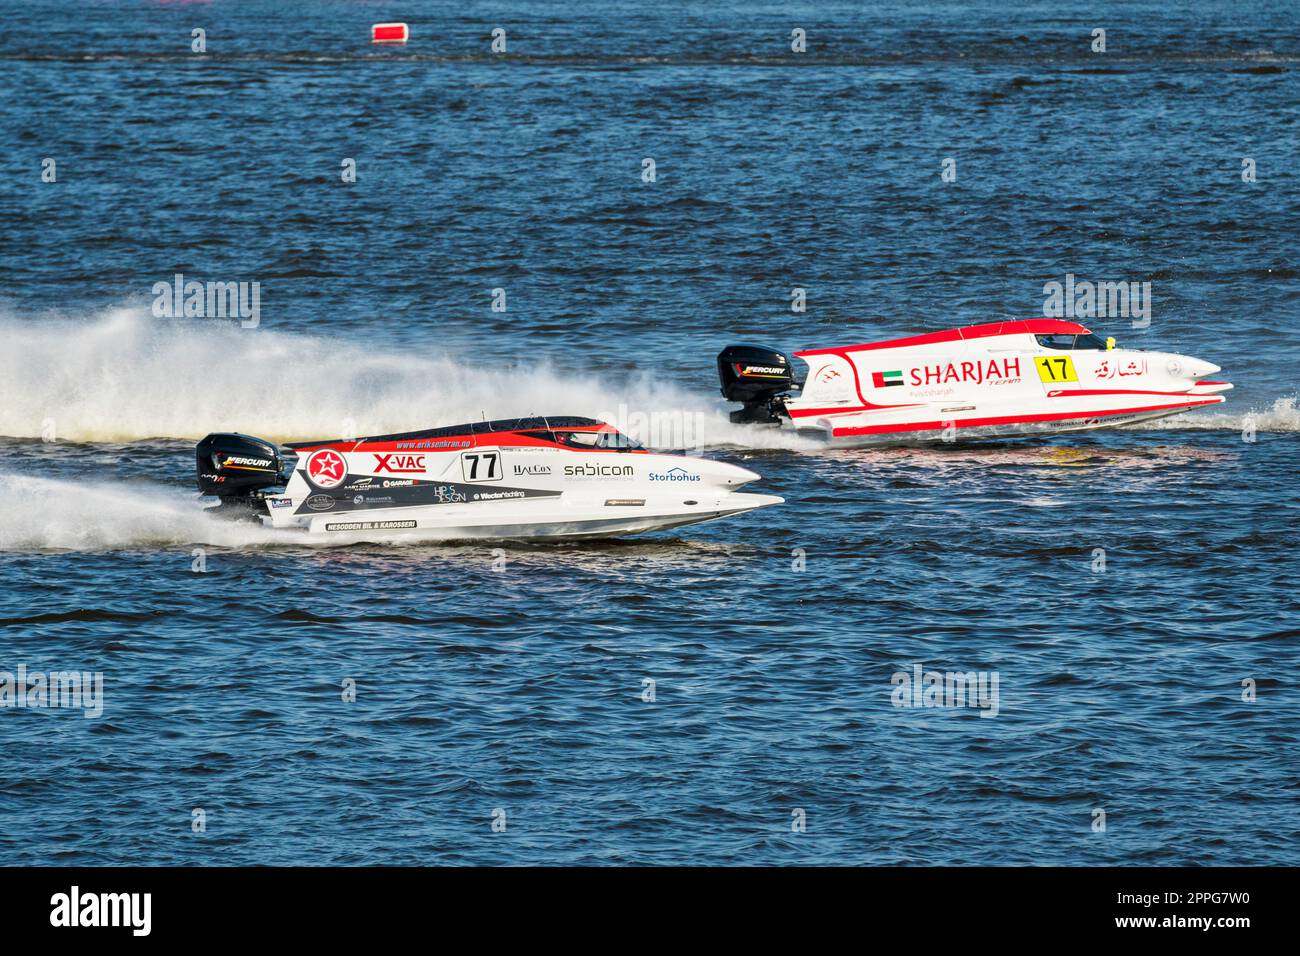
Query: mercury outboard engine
x=235 y=468
x=757 y=377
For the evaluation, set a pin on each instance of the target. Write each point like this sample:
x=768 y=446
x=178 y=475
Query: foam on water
x=126 y=376
x=67 y=515
x=1280 y=416
x=60 y=514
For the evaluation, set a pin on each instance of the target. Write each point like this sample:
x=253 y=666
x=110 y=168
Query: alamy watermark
x=922 y=688
x=208 y=300
x=1075 y=299
x=129 y=910
x=676 y=430
x=37 y=690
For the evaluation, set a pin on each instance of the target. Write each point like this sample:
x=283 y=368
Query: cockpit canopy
x=1068 y=342
x=608 y=438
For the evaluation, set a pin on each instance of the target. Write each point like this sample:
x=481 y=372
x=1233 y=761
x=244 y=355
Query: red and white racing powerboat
x=1005 y=378
x=513 y=478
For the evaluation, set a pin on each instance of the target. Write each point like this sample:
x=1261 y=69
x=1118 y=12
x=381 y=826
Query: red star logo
x=326 y=468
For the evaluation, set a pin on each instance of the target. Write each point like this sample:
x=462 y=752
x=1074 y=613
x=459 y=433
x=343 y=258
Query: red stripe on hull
x=1010 y=419
x=1066 y=393
x=842 y=410
x=452 y=443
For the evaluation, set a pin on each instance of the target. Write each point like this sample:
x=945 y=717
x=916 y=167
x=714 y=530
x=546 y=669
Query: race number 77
x=1056 y=368
x=481 y=465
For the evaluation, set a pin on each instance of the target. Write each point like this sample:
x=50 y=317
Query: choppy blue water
x=515 y=680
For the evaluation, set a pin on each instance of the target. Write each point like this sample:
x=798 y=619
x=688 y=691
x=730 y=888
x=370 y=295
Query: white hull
x=568 y=520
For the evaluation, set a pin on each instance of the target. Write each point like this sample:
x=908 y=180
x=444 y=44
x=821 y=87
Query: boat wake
x=1281 y=416
x=125 y=376
x=65 y=515
x=62 y=514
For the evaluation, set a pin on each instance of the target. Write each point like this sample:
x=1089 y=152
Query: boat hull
x=559 y=477
x=1033 y=377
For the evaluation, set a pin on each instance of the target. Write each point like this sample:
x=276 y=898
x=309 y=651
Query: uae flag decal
x=885 y=379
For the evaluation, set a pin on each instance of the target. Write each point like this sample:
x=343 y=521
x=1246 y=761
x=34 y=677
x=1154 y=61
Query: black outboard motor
x=235 y=467
x=757 y=377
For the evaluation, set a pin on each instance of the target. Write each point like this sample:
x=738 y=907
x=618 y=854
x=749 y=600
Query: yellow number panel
x=1055 y=368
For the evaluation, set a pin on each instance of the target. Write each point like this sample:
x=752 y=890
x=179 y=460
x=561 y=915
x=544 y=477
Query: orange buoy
x=389 y=33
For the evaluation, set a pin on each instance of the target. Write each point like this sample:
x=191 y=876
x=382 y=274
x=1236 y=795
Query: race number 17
x=1056 y=368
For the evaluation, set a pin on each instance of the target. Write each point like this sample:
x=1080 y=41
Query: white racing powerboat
x=515 y=478
x=1005 y=378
